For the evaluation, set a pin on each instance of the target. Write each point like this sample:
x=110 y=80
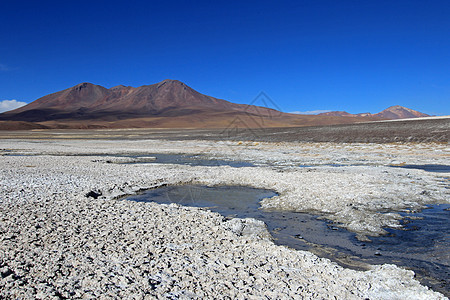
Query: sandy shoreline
x=56 y=242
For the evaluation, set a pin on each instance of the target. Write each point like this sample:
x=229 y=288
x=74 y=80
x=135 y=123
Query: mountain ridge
x=166 y=104
x=155 y=99
x=391 y=113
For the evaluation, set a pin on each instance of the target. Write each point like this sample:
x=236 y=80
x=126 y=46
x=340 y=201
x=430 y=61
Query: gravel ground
x=58 y=243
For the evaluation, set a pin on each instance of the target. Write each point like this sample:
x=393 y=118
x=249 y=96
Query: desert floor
x=58 y=243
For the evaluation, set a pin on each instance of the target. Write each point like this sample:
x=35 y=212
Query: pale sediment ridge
x=55 y=242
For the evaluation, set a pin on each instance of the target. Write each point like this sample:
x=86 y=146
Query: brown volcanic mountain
x=390 y=113
x=89 y=101
x=167 y=104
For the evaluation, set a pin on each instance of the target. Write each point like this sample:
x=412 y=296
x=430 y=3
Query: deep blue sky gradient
x=358 y=56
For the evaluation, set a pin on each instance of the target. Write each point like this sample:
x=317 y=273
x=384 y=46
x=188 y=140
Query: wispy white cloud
x=4 y=68
x=6 y=105
x=310 y=112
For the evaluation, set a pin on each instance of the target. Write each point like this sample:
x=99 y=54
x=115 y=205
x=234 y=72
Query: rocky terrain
x=58 y=243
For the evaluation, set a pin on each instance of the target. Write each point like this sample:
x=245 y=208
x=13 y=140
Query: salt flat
x=56 y=242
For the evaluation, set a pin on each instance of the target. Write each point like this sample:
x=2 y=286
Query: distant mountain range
x=167 y=104
x=391 y=113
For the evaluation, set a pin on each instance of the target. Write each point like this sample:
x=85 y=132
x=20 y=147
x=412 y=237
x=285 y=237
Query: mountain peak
x=400 y=112
x=83 y=85
x=171 y=82
x=397 y=107
x=84 y=88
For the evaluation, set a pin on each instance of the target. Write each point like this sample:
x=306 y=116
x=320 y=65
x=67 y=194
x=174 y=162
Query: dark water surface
x=423 y=246
x=192 y=160
x=428 y=168
x=164 y=158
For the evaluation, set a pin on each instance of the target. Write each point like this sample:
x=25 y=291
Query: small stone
x=93 y=194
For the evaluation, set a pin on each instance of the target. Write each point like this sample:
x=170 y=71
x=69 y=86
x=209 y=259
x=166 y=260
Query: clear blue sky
x=359 y=56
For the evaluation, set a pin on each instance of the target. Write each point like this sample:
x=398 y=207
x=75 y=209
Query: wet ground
x=158 y=158
x=203 y=160
x=421 y=246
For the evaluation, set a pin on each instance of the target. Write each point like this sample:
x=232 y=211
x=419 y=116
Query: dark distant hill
x=336 y=114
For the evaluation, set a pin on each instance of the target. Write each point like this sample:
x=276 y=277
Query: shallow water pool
x=421 y=246
x=428 y=168
x=192 y=160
